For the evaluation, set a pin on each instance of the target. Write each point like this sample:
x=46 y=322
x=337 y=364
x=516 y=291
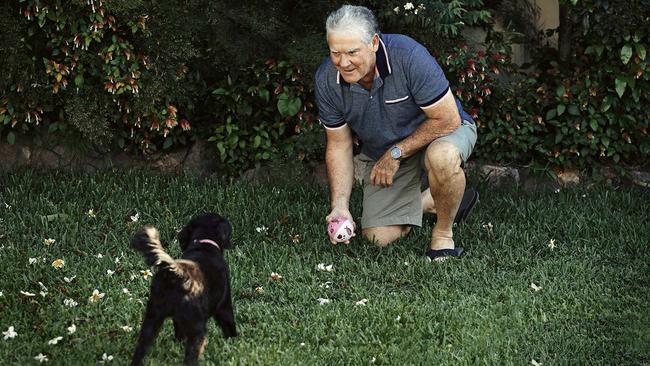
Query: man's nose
x=345 y=61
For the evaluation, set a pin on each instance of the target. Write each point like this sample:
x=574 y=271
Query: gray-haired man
x=393 y=95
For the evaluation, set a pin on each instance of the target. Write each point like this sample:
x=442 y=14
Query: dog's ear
x=184 y=236
x=224 y=233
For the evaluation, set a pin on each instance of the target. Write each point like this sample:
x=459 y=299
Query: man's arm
x=443 y=118
x=340 y=171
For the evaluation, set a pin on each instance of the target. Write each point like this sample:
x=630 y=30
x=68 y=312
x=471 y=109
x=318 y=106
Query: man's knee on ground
x=442 y=157
x=384 y=235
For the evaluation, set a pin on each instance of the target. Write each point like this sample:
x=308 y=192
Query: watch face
x=395 y=152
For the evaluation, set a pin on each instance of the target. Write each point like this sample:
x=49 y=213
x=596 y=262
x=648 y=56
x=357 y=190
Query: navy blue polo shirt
x=408 y=80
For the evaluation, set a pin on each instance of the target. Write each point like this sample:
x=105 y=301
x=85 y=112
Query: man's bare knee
x=384 y=235
x=442 y=156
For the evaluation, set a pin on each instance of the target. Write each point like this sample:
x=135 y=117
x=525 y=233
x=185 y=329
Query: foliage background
x=146 y=76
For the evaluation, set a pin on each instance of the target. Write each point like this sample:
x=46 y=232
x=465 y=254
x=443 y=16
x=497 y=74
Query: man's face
x=353 y=58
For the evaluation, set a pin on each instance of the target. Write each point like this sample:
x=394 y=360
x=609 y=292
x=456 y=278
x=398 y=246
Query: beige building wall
x=548 y=18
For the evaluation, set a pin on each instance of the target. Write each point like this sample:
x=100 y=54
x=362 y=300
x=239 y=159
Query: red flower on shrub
x=170 y=122
x=171 y=110
x=155 y=123
x=185 y=124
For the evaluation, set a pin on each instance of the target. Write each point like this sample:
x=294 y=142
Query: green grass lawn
x=591 y=305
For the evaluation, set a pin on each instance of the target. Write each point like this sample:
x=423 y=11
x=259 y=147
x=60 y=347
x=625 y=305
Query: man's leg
x=446 y=185
x=385 y=235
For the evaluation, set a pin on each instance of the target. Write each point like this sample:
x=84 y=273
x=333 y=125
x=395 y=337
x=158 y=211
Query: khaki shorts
x=400 y=204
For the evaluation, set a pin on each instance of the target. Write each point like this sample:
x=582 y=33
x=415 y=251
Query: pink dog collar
x=208 y=241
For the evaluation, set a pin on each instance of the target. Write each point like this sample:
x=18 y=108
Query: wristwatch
x=395 y=152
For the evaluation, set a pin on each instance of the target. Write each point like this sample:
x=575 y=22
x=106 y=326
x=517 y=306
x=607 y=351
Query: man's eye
x=352 y=53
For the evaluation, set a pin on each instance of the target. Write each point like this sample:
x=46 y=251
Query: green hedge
x=149 y=76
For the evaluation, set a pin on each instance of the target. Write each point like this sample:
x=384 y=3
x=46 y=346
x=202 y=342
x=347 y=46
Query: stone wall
x=200 y=159
x=47 y=156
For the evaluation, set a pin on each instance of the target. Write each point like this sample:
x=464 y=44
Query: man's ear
x=375 y=42
x=224 y=233
x=184 y=236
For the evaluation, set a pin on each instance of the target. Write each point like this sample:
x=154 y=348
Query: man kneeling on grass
x=392 y=94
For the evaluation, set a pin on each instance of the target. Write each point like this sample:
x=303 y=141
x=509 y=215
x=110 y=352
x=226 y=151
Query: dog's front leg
x=225 y=317
x=151 y=324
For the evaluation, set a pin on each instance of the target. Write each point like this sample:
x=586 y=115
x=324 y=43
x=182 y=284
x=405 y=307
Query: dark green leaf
x=169 y=141
x=626 y=54
x=620 y=87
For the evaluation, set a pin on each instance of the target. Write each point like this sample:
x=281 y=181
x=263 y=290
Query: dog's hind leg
x=225 y=318
x=195 y=344
x=153 y=319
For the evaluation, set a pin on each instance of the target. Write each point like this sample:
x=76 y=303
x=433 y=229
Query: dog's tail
x=147 y=242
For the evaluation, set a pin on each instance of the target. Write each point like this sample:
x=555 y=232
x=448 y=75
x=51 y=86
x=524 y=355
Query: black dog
x=190 y=290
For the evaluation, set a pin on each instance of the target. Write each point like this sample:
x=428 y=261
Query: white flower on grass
x=488 y=226
x=322 y=301
x=1 y=294
x=126 y=291
x=28 y=294
x=72 y=329
x=327 y=284
x=259 y=289
x=43 y=293
x=302 y=344
x=535 y=363
x=54 y=341
x=408 y=6
x=109 y=272
x=276 y=276
x=551 y=244
x=396 y=10
x=106 y=358
x=70 y=303
x=398 y=318
x=58 y=263
x=361 y=302
x=69 y=279
x=96 y=296
x=324 y=268
x=42 y=286
x=295 y=238
x=146 y=274
x=135 y=217
x=91 y=214
x=41 y=358
x=100 y=255
x=126 y=328
x=262 y=229
x=49 y=241
x=10 y=333
x=373 y=360
x=33 y=260
x=535 y=287
x=557 y=190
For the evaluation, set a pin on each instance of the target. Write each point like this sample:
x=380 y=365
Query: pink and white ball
x=340 y=229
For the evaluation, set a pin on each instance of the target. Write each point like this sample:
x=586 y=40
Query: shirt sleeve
x=330 y=103
x=427 y=81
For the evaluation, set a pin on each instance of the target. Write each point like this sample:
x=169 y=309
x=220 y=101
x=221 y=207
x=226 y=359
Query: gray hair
x=352 y=18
